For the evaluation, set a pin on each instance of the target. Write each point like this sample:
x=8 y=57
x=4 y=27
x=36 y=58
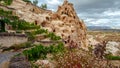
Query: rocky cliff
x=64 y=22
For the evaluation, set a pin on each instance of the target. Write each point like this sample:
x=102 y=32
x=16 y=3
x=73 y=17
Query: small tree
x=44 y=6
x=35 y=2
x=27 y=1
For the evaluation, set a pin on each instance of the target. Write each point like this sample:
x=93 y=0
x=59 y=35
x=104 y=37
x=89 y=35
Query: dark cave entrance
x=2 y=26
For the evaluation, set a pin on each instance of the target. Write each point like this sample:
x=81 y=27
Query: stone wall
x=7 y=41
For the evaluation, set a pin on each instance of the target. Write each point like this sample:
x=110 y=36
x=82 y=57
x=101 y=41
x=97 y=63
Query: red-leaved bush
x=78 y=58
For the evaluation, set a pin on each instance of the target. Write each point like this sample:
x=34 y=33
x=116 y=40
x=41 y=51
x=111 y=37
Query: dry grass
x=107 y=36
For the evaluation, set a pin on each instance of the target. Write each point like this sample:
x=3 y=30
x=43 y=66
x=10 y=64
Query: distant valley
x=102 y=28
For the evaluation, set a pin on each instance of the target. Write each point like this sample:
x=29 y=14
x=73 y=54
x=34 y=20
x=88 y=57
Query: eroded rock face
x=64 y=22
x=67 y=24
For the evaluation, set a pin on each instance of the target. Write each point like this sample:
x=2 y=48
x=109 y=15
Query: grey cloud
x=93 y=11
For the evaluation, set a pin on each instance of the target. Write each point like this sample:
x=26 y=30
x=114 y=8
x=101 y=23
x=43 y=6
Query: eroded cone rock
x=67 y=23
x=64 y=22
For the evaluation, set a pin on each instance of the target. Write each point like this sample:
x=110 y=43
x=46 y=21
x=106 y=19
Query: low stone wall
x=7 y=41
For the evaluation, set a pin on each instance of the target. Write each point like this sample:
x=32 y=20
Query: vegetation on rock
x=43 y=6
x=9 y=18
x=110 y=57
x=52 y=36
x=27 y=1
x=6 y=2
x=40 y=51
x=35 y=2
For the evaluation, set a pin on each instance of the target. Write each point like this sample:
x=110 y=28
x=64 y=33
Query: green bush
x=40 y=51
x=43 y=6
x=18 y=31
x=7 y=2
x=110 y=57
x=20 y=24
x=39 y=31
x=27 y=1
x=50 y=35
x=23 y=25
x=30 y=36
x=53 y=36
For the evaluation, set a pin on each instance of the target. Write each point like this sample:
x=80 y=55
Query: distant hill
x=98 y=27
x=102 y=28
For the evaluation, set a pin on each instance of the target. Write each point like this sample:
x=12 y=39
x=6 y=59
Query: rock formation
x=69 y=24
x=64 y=22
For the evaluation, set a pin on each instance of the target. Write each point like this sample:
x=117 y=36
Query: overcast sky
x=93 y=12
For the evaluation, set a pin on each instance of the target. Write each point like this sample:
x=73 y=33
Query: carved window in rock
x=72 y=31
x=62 y=12
x=43 y=24
x=36 y=22
x=65 y=31
x=65 y=13
x=62 y=35
x=61 y=25
x=47 y=18
x=74 y=17
x=70 y=21
x=54 y=30
x=63 y=18
x=2 y=26
x=33 y=10
x=65 y=8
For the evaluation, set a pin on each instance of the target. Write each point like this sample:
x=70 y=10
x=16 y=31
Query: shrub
x=35 y=53
x=35 y=2
x=40 y=51
x=27 y=1
x=47 y=34
x=7 y=2
x=43 y=6
x=39 y=31
x=110 y=57
x=18 y=31
x=31 y=36
x=53 y=36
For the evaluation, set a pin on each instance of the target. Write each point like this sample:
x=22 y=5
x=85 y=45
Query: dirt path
x=5 y=57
